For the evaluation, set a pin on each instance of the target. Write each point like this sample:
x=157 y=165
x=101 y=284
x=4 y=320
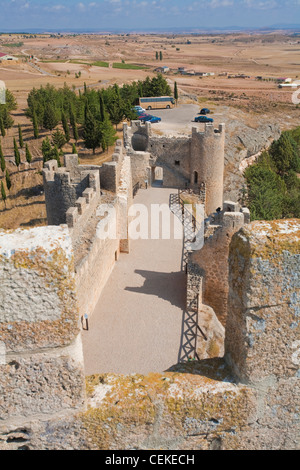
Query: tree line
x=273 y=183
x=6 y=121
x=90 y=114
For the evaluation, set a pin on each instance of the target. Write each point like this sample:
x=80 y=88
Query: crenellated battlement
x=64 y=186
x=85 y=206
x=209 y=130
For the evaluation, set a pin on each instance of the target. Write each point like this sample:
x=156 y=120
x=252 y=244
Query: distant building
x=7 y=57
x=162 y=69
x=188 y=72
x=205 y=74
x=291 y=85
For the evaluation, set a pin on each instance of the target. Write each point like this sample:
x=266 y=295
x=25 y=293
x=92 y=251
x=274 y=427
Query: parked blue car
x=154 y=119
x=151 y=119
x=203 y=119
x=204 y=111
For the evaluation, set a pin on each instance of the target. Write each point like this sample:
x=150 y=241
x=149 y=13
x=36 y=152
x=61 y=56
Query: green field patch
x=100 y=63
x=117 y=65
x=13 y=44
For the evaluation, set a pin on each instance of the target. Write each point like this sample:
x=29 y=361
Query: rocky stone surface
x=241 y=143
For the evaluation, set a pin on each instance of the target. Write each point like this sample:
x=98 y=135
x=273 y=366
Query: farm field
x=233 y=91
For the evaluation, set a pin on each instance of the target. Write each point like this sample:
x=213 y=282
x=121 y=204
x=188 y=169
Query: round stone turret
x=207 y=164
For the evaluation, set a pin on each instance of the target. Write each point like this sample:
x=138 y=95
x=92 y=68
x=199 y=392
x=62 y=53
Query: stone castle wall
x=207 y=163
x=212 y=260
x=73 y=196
x=93 y=271
x=41 y=366
x=63 y=186
x=186 y=161
x=249 y=400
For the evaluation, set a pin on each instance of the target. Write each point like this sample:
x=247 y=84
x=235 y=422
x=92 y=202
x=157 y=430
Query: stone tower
x=207 y=163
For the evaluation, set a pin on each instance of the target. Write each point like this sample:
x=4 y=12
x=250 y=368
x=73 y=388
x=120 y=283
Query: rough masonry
x=242 y=393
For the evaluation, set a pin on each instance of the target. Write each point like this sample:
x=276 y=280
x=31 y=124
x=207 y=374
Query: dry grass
x=66 y=56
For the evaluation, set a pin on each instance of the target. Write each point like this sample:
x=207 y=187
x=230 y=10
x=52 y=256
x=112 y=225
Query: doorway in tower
x=157 y=176
x=195 y=177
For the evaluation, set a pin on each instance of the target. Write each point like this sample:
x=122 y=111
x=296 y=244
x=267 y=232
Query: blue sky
x=21 y=15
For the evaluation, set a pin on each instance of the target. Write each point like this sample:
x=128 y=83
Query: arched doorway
x=195 y=177
x=157 y=176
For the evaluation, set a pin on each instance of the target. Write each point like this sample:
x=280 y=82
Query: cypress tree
x=46 y=149
x=65 y=126
x=92 y=134
x=156 y=55
x=175 y=92
x=74 y=149
x=2 y=159
x=35 y=125
x=160 y=55
x=73 y=124
x=8 y=181
x=102 y=108
x=17 y=154
x=108 y=134
x=3 y=193
x=21 y=142
x=2 y=128
x=50 y=119
x=284 y=153
x=58 y=138
x=7 y=119
x=56 y=155
x=28 y=154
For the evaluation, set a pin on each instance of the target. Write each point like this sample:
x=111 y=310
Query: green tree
x=160 y=55
x=21 y=142
x=50 y=119
x=73 y=124
x=176 y=92
x=10 y=101
x=74 y=149
x=17 y=154
x=35 y=125
x=102 y=107
x=46 y=149
x=8 y=121
x=28 y=154
x=3 y=192
x=108 y=134
x=265 y=193
x=116 y=112
x=58 y=139
x=2 y=128
x=49 y=152
x=91 y=132
x=284 y=153
x=8 y=181
x=65 y=126
x=56 y=156
x=156 y=55
x=2 y=159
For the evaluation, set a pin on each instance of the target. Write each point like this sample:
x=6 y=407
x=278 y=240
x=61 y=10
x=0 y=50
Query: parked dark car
x=204 y=111
x=147 y=117
x=144 y=116
x=203 y=119
x=152 y=119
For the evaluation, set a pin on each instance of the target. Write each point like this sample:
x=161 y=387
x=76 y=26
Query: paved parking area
x=180 y=120
x=137 y=324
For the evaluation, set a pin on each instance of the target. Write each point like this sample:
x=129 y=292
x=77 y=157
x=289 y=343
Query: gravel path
x=136 y=326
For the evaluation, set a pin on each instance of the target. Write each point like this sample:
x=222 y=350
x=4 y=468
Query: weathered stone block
x=262 y=331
